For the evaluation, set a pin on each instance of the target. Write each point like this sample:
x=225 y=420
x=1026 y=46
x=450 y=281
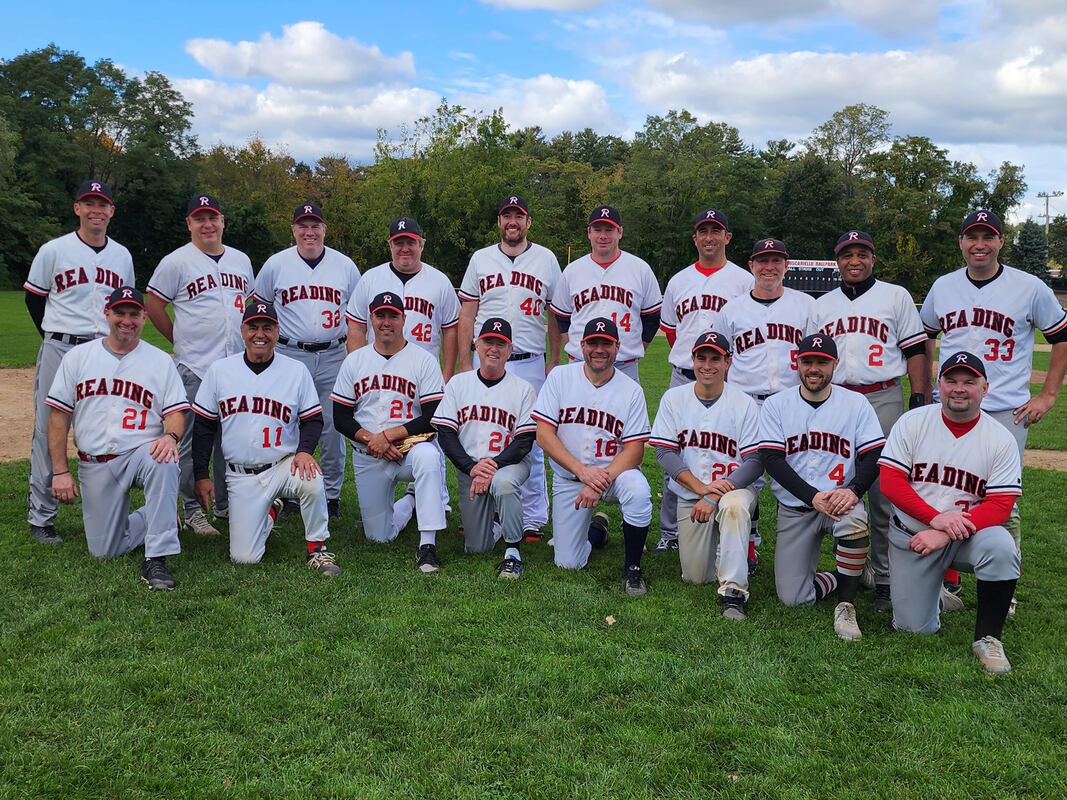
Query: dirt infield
x=16 y=421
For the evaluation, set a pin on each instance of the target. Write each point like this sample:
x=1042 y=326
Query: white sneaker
x=198 y=523
x=990 y=652
x=845 y=624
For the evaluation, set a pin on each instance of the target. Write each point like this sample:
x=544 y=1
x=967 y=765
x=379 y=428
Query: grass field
x=268 y=681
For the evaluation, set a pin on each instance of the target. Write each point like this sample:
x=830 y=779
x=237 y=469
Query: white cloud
x=306 y=54
x=556 y=104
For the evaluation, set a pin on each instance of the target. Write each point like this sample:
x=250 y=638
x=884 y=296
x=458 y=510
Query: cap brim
x=500 y=336
x=101 y=195
x=993 y=228
x=838 y=248
x=404 y=235
x=612 y=222
x=708 y=222
x=710 y=346
x=260 y=316
x=771 y=252
x=126 y=303
x=305 y=216
x=204 y=208
x=600 y=336
x=967 y=367
x=816 y=354
x=387 y=308
x=512 y=205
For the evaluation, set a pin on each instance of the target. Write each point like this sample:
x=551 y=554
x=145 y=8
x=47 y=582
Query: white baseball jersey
x=691 y=305
x=870 y=332
x=117 y=402
x=486 y=418
x=310 y=302
x=996 y=323
x=820 y=444
x=950 y=473
x=764 y=339
x=622 y=292
x=430 y=303
x=209 y=300
x=711 y=440
x=592 y=422
x=259 y=415
x=388 y=391
x=76 y=280
x=518 y=290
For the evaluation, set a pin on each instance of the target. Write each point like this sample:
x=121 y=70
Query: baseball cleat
x=45 y=534
x=666 y=544
x=426 y=559
x=599 y=524
x=867 y=576
x=333 y=508
x=883 y=600
x=633 y=581
x=154 y=573
x=845 y=624
x=990 y=652
x=289 y=508
x=1012 y=608
x=733 y=604
x=510 y=568
x=222 y=513
x=323 y=562
x=951 y=597
x=198 y=523
x=532 y=535
x=753 y=564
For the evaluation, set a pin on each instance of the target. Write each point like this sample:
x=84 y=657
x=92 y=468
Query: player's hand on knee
x=304 y=467
x=843 y=500
x=204 y=490
x=928 y=541
x=479 y=486
x=64 y=489
x=718 y=488
x=596 y=478
x=823 y=504
x=164 y=449
x=378 y=445
x=957 y=524
x=587 y=498
x=702 y=511
x=486 y=468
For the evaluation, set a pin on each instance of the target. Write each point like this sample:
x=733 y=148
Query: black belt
x=762 y=396
x=312 y=347
x=241 y=469
x=896 y=521
x=95 y=459
x=688 y=373
x=520 y=356
x=69 y=338
x=799 y=509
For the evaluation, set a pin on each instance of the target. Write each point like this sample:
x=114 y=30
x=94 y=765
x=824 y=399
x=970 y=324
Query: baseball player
x=953 y=474
x=485 y=429
x=876 y=328
x=992 y=310
x=208 y=284
x=69 y=283
x=127 y=404
x=266 y=407
x=609 y=283
x=691 y=304
x=515 y=280
x=702 y=434
x=592 y=422
x=385 y=393
x=820 y=444
x=309 y=285
x=764 y=327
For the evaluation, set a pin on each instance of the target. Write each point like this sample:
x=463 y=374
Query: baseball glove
x=408 y=442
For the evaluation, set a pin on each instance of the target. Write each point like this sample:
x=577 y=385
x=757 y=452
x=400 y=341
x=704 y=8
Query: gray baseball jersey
x=486 y=419
x=310 y=302
x=764 y=338
x=691 y=305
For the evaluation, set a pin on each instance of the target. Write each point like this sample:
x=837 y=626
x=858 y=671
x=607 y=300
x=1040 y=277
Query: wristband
x=64 y=472
x=704 y=497
x=174 y=436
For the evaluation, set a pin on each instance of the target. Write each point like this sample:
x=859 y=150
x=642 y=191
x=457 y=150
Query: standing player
x=127 y=405
x=609 y=283
x=207 y=283
x=310 y=285
x=820 y=444
x=515 y=280
x=69 y=282
x=592 y=422
x=992 y=310
x=485 y=429
x=384 y=393
x=702 y=433
x=691 y=304
x=953 y=474
x=876 y=328
x=267 y=410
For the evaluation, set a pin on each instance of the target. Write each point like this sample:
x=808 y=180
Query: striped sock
x=851 y=554
x=825 y=583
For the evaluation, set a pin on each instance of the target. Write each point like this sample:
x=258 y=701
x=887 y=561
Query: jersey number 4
x=837 y=474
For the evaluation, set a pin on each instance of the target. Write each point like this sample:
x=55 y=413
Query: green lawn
x=268 y=681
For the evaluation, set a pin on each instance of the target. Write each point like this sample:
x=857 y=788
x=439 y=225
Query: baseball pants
x=185 y=454
x=668 y=506
x=42 y=503
x=110 y=529
x=796 y=554
x=323 y=366
x=726 y=532
x=915 y=583
x=888 y=405
x=570 y=525
x=250 y=522
x=376 y=481
x=503 y=497
x=1020 y=432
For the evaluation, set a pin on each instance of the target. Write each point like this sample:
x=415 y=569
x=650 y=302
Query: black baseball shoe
x=426 y=559
x=532 y=535
x=633 y=581
x=323 y=562
x=883 y=600
x=333 y=508
x=154 y=573
x=733 y=604
x=510 y=569
x=45 y=534
x=667 y=543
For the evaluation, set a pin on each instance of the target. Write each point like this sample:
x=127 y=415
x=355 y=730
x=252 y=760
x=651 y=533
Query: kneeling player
x=702 y=432
x=820 y=444
x=485 y=429
x=270 y=418
x=952 y=473
x=592 y=422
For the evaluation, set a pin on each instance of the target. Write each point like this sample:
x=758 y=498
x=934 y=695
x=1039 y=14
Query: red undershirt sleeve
x=895 y=486
x=993 y=510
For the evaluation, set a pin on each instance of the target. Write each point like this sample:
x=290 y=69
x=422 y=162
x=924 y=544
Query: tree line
x=62 y=121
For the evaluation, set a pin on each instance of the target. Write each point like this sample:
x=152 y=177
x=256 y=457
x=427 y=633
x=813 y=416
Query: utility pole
x=1047 y=195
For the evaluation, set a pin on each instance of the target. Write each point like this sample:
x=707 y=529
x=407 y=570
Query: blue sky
x=986 y=80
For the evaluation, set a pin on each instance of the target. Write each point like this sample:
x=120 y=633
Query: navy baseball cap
x=496 y=328
x=817 y=344
x=982 y=218
x=606 y=214
x=853 y=237
x=405 y=226
x=601 y=328
x=388 y=300
x=125 y=295
x=259 y=309
x=713 y=216
x=962 y=360
x=202 y=202
x=714 y=341
x=514 y=201
x=93 y=188
x=308 y=210
x=769 y=246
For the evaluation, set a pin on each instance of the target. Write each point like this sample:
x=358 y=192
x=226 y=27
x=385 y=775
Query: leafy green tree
x=1057 y=240
x=1029 y=250
x=809 y=212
